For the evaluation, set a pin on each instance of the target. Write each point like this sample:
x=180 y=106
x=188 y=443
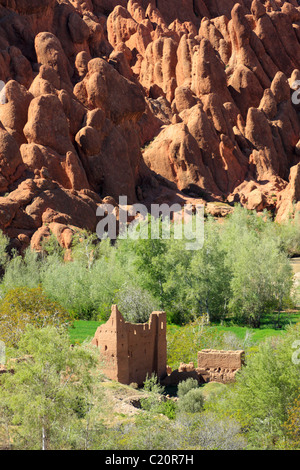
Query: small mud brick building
x=219 y=366
x=213 y=366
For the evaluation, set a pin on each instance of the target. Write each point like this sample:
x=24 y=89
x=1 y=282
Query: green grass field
x=257 y=335
x=85 y=330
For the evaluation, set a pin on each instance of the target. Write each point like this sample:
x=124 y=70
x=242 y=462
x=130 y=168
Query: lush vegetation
x=241 y=274
x=47 y=401
x=23 y=306
x=236 y=292
x=265 y=397
x=57 y=399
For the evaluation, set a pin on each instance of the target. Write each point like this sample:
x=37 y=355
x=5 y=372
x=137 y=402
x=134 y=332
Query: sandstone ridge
x=160 y=101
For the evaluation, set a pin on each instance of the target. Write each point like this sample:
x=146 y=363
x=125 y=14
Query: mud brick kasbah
x=130 y=352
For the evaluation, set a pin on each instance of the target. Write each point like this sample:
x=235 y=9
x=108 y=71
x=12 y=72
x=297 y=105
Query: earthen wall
x=131 y=351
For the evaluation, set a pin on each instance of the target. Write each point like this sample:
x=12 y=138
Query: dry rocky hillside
x=162 y=101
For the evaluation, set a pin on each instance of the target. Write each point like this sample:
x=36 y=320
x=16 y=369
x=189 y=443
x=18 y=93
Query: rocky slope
x=158 y=100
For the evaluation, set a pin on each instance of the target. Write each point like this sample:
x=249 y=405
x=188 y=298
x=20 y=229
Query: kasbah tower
x=132 y=351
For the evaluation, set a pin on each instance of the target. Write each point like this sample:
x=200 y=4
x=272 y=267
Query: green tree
x=196 y=281
x=261 y=280
x=149 y=262
x=23 y=271
x=69 y=285
x=47 y=400
x=147 y=257
x=266 y=389
x=22 y=306
x=136 y=304
x=210 y=276
x=288 y=235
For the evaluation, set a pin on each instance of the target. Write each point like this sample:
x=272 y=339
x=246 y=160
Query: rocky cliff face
x=157 y=100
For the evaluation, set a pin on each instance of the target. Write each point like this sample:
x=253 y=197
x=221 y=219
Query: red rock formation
x=209 y=88
x=289 y=198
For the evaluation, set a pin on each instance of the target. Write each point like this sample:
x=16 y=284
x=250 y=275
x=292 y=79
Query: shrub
x=23 y=306
x=192 y=401
x=22 y=271
x=135 y=304
x=51 y=246
x=152 y=385
x=167 y=408
x=49 y=399
x=153 y=400
x=292 y=425
x=185 y=386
